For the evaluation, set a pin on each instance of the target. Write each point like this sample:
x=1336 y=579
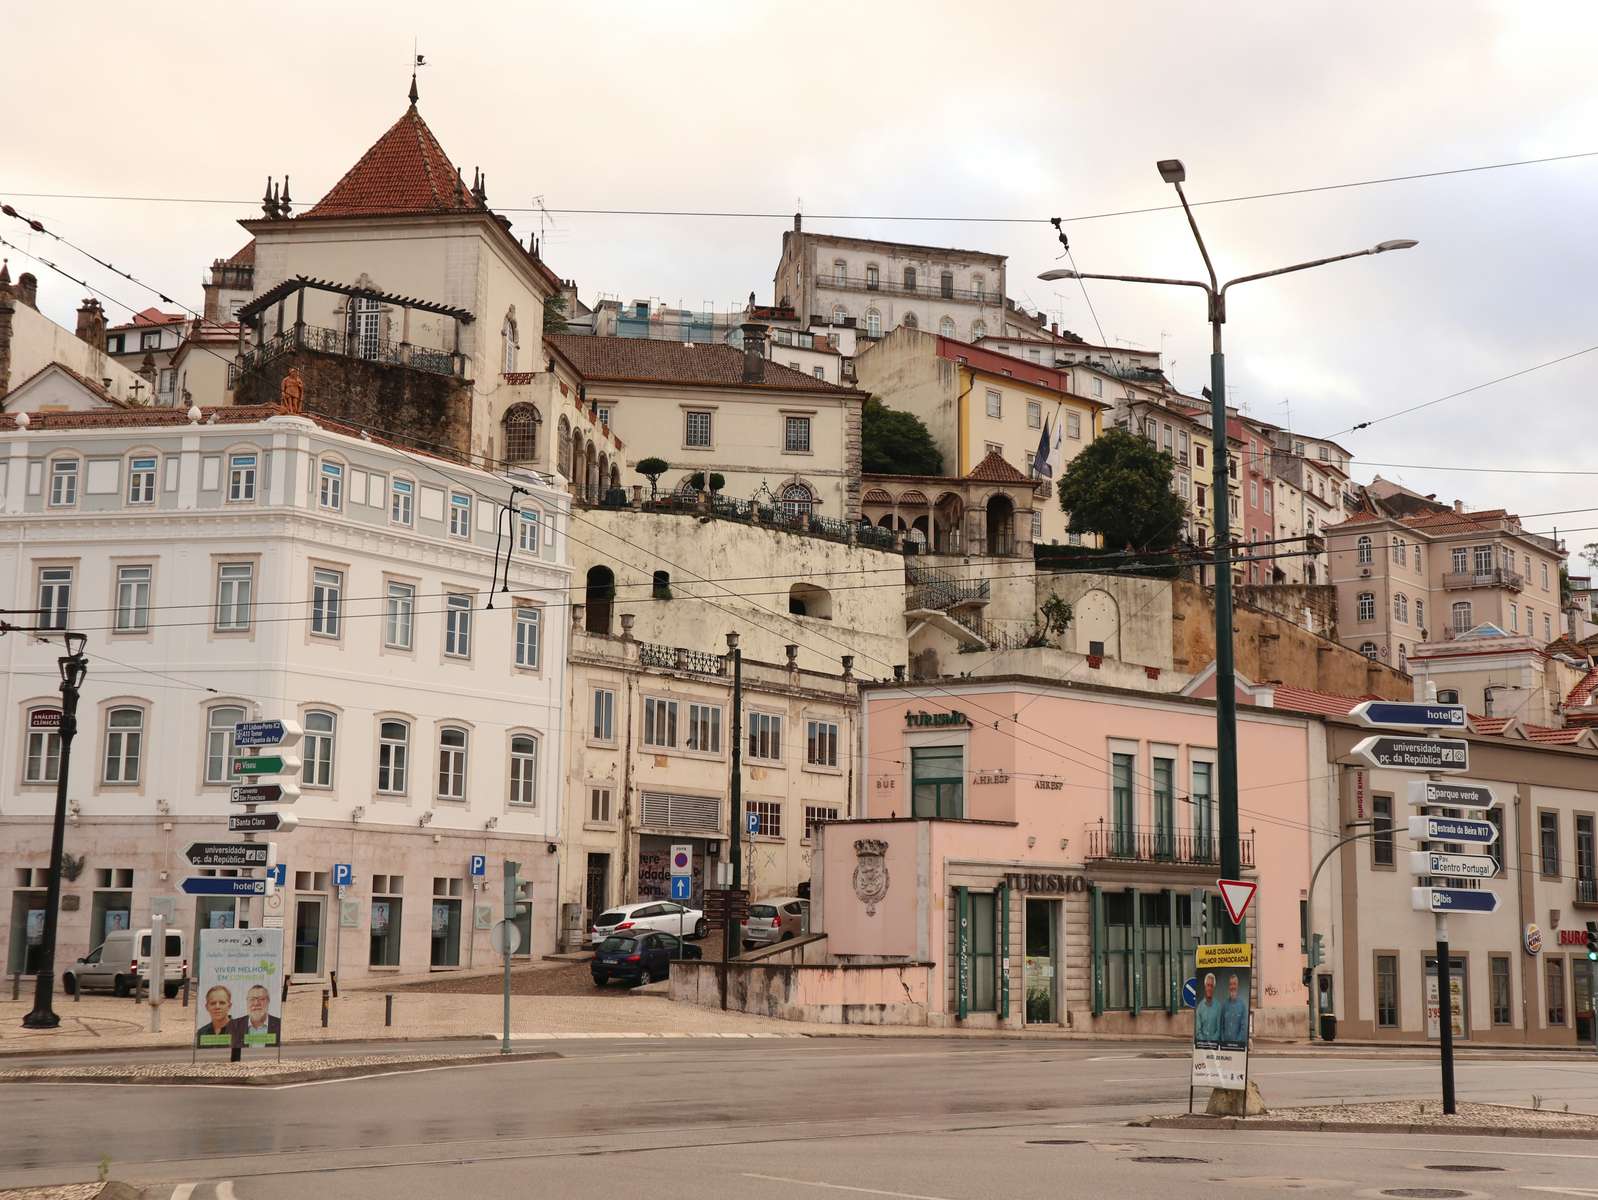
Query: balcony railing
x=1109 y=842
x=940 y=589
x=1496 y=577
x=1586 y=892
x=677 y=658
x=894 y=287
x=349 y=345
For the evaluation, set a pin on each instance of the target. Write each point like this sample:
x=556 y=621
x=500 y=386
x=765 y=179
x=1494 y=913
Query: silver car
x=778 y=919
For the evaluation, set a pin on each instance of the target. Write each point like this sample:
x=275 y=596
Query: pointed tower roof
x=405 y=173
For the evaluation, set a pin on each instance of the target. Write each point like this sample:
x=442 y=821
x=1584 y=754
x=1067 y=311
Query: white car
x=663 y=915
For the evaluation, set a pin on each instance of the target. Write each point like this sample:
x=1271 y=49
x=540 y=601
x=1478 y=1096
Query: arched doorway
x=598 y=599
x=1000 y=525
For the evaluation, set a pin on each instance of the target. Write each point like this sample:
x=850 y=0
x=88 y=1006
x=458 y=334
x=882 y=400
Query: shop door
x=1459 y=998
x=1041 y=970
x=596 y=888
x=308 y=913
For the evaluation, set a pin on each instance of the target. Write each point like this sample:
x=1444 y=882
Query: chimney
x=798 y=223
x=91 y=323
x=28 y=290
x=1459 y=506
x=754 y=352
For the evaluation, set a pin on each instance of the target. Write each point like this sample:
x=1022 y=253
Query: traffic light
x=1317 y=950
x=1309 y=973
x=1592 y=941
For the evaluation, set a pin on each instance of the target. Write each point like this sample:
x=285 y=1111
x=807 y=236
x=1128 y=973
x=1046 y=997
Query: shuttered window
x=697 y=814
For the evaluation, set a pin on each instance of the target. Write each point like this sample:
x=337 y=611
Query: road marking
x=843 y=1187
x=1561 y=1191
x=183 y=1191
x=224 y=1190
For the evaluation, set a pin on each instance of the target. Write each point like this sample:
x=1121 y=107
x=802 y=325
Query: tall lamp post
x=1173 y=172
x=74 y=666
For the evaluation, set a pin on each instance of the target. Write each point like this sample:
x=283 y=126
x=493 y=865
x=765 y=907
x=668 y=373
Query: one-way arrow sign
x=1449 y=793
x=1453 y=829
x=264 y=793
x=1395 y=714
x=263 y=822
x=1457 y=866
x=1449 y=900
x=1414 y=753
x=223 y=885
x=229 y=854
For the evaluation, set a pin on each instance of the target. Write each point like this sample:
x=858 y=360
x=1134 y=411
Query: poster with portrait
x=1221 y=1016
x=241 y=989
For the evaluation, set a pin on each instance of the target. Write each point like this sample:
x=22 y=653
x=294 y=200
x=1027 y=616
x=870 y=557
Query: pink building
x=1033 y=852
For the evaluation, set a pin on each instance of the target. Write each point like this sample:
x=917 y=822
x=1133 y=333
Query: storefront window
x=1118 y=949
x=1387 y=991
x=1157 y=945
x=984 y=929
x=387 y=911
x=446 y=925
x=937 y=781
x=1555 y=980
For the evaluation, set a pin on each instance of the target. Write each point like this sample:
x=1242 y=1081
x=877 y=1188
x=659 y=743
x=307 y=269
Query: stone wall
x=1312 y=606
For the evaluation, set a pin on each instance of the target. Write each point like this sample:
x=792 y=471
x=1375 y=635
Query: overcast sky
x=925 y=109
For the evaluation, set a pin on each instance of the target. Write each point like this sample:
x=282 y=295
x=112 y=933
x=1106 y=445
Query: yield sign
x=1237 y=894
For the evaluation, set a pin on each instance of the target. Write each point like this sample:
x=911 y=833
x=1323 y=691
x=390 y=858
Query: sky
x=926 y=109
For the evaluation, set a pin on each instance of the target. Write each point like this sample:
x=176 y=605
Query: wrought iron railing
x=936 y=588
x=1496 y=577
x=1109 y=841
x=678 y=658
x=349 y=345
x=830 y=527
x=1587 y=890
x=894 y=287
x=868 y=534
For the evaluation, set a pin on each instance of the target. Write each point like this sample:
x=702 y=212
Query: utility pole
x=74 y=667
x=732 y=936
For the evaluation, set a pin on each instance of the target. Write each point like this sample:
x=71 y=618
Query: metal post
x=73 y=668
x=157 y=970
x=388 y=1009
x=1225 y=678
x=511 y=870
x=324 y=1008
x=1445 y=1012
x=1314 y=990
x=732 y=934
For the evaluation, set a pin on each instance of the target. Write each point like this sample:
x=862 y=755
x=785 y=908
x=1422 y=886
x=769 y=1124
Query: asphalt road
x=921 y=1118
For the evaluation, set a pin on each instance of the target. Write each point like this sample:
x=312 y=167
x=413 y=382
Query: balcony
x=1494 y=578
x=1586 y=892
x=1157 y=845
x=862 y=283
x=677 y=658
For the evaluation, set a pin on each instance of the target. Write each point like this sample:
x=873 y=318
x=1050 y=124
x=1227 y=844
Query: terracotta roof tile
x=245 y=256
x=1552 y=736
x=238 y=414
x=993 y=469
x=646 y=360
x=1489 y=724
x=1305 y=700
x=1582 y=694
x=406 y=172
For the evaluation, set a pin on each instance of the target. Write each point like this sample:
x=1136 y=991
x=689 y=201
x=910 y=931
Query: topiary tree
x=717 y=481
x=1119 y=487
x=652 y=469
x=896 y=443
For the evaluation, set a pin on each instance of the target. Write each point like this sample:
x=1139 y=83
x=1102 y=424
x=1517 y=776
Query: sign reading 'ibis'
x=1453 y=829
x=1414 y=753
x=1449 y=793
x=1397 y=714
x=1451 y=900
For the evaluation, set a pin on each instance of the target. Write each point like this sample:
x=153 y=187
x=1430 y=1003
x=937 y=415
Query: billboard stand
x=241 y=991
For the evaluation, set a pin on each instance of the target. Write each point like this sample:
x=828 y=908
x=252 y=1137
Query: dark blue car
x=635 y=958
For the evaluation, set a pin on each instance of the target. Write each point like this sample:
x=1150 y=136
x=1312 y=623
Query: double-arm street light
x=1173 y=172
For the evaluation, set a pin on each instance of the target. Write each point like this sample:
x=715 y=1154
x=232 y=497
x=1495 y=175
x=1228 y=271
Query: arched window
x=1367 y=606
x=660 y=588
x=219 y=722
x=979 y=329
x=318 y=749
x=1399 y=550
x=808 y=600
x=1403 y=657
x=1364 y=545
x=909 y=321
x=521 y=433
x=797 y=499
x=512 y=344
x=946 y=327
x=451 y=763
x=1368 y=649
x=524 y=770
x=1461 y=616
x=840 y=314
x=563 y=449
x=873 y=323
x=393 y=756
x=598 y=597
x=366 y=326
x=124 y=744
x=43 y=757
x=1400 y=607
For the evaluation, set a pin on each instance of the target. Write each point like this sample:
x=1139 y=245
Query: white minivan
x=123 y=959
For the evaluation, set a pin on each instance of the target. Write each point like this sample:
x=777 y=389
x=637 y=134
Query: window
x=696 y=428
x=1399 y=551
x=839 y=273
x=1200 y=495
x=1531 y=621
x=1253 y=493
x=660 y=723
x=451 y=763
x=1554 y=980
x=388 y=909
x=1382 y=823
x=460 y=515
x=527 y=637
x=402 y=501
x=63 y=482
x=1545 y=574
x=1122 y=813
x=55 y=597
x=768 y=817
x=331 y=491
x=235 y=588
x=796 y=435
x=1514 y=617
x=604 y=723
x=124 y=744
x=1037 y=526
x=815 y=814
x=946 y=285
x=219 y=746
x=1367 y=606
x=327 y=591
x=1420 y=613
x=599 y=805
x=1460 y=560
x=1548 y=628
x=1483 y=559
x=937 y=781
x=1387 y=991
x=797 y=500
x=527 y=537
x=458 y=626
x=42 y=758
x=521 y=431
x=1365 y=549
x=765 y=736
x=1267 y=498
x=704 y=728
x=399 y=616
x=1461 y=615
x=1203 y=816
x=979 y=330
x=149 y=341
x=1073 y=425
x=873 y=323
x=1548 y=844
x=821 y=743
x=240 y=478
x=1400 y=607
x=1498 y=989
x=508 y=332
x=1034 y=415
x=839 y=314
x=1369 y=650
x=141 y=483
x=872 y=277
x=995 y=403
x=318 y=750
x=524 y=770
x=946 y=327
x=393 y=754
x=910 y=278
x=1164 y=779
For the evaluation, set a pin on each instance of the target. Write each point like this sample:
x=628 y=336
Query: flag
x=1058 y=448
x=1040 y=460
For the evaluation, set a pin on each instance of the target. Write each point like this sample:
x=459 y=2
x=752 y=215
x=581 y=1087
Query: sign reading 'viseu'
x=916 y=719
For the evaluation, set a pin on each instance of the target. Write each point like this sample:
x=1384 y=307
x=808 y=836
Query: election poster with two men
x=1221 y=1016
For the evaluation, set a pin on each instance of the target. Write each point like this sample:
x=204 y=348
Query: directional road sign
x=223 y=885
x=266 y=822
x=1453 y=829
x=267 y=764
x=682 y=858
x=266 y=733
x=479 y=866
x=1449 y=793
x=343 y=874
x=1236 y=894
x=228 y=854
x=1461 y=866
x=278 y=873
x=682 y=887
x=1452 y=900
x=264 y=793
x=1190 y=993
x=1414 y=753
x=1395 y=714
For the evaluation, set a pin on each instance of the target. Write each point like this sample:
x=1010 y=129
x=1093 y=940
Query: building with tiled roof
x=31 y=342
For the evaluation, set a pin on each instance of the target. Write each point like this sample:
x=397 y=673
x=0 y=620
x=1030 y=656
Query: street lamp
x=1173 y=172
x=74 y=666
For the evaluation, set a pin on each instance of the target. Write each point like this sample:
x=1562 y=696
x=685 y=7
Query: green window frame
x=1164 y=776
x=1122 y=832
x=937 y=781
x=1204 y=848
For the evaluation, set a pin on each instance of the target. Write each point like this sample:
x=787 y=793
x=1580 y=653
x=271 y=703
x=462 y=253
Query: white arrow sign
x=1452 y=829
x=1449 y=793
x=1463 y=866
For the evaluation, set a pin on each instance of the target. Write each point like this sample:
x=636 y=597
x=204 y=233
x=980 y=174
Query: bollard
x=286 y=978
x=16 y=984
x=388 y=1009
x=185 y=989
x=324 y=1008
x=333 y=975
x=77 y=990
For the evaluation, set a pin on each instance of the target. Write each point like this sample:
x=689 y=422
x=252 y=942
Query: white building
x=238 y=565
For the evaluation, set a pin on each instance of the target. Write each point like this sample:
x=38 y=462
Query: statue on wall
x=870 y=873
x=291 y=394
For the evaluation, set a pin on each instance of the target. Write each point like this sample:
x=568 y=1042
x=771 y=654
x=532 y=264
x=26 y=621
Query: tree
x=652 y=469
x=555 y=314
x=1120 y=488
x=896 y=443
x=717 y=481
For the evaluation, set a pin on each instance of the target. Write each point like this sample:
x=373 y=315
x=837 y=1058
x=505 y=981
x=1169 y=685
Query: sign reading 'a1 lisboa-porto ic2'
x=1399 y=714
x=266 y=733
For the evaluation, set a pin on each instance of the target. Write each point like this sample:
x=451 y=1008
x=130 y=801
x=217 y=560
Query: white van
x=123 y=959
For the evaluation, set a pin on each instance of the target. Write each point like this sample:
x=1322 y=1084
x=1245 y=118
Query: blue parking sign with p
x=682 y=887
x=753 y=822
x=343 y=874
x=479 y=865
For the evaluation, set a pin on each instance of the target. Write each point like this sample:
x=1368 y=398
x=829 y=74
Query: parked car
x=117 y=964
x=641 y=957
x=779 y=919
x=663 y=915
